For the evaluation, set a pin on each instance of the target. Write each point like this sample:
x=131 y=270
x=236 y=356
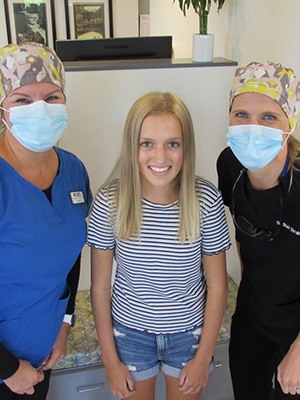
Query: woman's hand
x=120 y=380
x=24 y=379
x=194 y=377
x=289 y=369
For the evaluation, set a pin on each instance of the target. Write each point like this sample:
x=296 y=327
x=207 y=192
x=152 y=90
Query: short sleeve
x=101 y=233
x=215 y=235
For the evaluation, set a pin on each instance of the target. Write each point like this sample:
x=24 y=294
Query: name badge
x=77 y=197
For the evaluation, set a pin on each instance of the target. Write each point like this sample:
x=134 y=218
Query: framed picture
x=30 y=21
x=86 y=19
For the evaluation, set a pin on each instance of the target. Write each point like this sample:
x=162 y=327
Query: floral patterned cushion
x=82 y=346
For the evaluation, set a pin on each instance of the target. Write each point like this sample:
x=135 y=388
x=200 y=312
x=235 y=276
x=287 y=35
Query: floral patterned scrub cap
x=28 y=63
x=272 y=80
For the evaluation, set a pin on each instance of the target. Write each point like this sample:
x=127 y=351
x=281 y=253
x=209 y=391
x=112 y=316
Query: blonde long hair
x=126 y=175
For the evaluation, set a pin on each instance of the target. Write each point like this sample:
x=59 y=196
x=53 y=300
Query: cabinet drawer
x=88 y=383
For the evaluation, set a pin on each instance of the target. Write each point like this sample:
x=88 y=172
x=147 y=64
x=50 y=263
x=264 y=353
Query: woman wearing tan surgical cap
x=44 y=200
x=259 y=177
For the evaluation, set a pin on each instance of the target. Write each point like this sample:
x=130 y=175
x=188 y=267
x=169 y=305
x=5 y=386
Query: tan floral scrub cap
x=272 y=80
x=28 y=63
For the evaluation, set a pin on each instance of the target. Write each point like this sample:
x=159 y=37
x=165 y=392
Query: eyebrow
x=247 y=111
x=151 y=138
x=29 y=95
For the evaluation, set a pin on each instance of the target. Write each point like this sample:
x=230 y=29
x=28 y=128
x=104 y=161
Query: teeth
x=159 y=169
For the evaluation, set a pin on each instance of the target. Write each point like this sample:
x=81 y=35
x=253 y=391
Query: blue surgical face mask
x=254 y=146
x=38 y=126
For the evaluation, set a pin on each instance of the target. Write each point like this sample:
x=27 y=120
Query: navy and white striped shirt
x=159 y=284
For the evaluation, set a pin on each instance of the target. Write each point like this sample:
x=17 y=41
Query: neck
x=267 y=177
x=160 y=195
x=40 y=169
x=17 y=155
x=261 y=182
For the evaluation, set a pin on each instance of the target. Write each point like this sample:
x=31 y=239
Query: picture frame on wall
x=88 y=19
x=30 y=21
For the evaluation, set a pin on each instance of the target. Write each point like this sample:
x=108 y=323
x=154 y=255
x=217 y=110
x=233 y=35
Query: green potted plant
x=202 y=42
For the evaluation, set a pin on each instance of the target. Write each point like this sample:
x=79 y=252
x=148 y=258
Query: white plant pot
x=203 y=47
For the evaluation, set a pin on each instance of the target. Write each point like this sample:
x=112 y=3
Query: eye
x=146 y=144
x=22 y=100
x=174 y=144
x=51 y=98
x=54 y=98
x=270 y=117
x=240 y=114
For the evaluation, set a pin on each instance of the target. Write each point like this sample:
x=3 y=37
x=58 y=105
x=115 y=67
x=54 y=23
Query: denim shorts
x=145 y=354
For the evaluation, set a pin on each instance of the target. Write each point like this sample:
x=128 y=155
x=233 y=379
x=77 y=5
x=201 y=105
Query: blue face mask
x=254 y=146
x=39 y=125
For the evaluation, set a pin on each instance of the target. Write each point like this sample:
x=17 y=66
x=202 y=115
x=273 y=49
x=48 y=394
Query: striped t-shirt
x=159 y=284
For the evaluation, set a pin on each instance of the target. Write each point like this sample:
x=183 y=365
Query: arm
x=18 y=375
x=118 y=376
x=195 y=374
x=72 y=281
x=60 y=346
x=289 y=369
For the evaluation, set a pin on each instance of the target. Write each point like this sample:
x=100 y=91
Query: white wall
x=125 y=18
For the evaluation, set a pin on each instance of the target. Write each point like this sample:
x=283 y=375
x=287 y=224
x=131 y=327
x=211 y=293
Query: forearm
x=213 y=316
x=217 y=288
x=102 y=261
x=118 y=375
x=100 y=299
x=195 y=374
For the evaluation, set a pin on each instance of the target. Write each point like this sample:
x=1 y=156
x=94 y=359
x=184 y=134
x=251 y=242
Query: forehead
x=256 y=102
x=161 y=122
x=36 y=88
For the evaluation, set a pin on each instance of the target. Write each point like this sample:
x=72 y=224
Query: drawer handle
x=90 y=388
x=218 y=363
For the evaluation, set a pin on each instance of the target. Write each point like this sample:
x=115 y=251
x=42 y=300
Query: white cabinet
x=87 y=383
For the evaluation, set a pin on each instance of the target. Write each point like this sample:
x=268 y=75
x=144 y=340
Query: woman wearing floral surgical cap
x=44 y=200
x=259 y=176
